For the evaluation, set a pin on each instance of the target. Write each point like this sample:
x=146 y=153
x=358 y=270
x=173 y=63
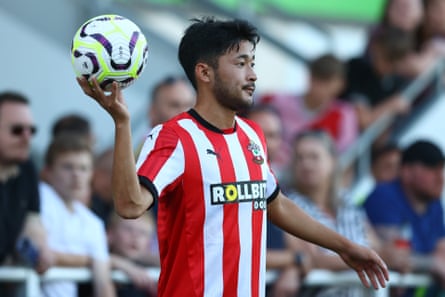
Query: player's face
x=71 y=174
x=16 y=125
x=171 y=100
x=234 y=81
x=313 y=164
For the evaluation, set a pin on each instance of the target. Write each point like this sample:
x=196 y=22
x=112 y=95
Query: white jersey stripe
x=213 y=233
x=173 y=168
x=148 y=145
x=267 y=174
x=244 y=218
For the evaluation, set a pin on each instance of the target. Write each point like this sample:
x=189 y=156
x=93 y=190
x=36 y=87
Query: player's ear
x=203 y=72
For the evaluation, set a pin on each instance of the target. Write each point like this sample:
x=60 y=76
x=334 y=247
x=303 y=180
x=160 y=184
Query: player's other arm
x=288 y=216
x=130 y=198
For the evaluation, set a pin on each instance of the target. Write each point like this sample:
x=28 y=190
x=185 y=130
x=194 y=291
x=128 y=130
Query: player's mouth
x=249 y=89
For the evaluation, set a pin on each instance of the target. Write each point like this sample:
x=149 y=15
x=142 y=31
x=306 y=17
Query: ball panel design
x=109 y=48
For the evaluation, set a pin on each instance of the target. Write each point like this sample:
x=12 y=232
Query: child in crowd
x=131 y=243
x=76 y=236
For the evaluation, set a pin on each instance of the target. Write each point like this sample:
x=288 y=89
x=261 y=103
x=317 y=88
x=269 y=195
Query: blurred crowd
x=62 y=214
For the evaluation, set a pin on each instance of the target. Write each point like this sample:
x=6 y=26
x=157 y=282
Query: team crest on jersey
x=248 y=191
x=256 y=152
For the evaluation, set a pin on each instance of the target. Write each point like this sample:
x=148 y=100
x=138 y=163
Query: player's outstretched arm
x=369 y=266
x=130 y=198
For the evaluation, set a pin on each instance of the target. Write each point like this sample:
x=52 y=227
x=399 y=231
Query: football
x=109 y=48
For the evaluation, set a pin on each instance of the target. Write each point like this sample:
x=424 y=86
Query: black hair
x=327 y=67
x=166 y=82
x=71 y=123
x=381 y=150
x=394 y=42
x=11 y=96
x=207 y=39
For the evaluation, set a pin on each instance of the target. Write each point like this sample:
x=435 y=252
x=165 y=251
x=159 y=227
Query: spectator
x=318 y=108
x=269 y=119
x=20 y=208
x=76 y=236
x=408 y=215
x=385 y=167
x=76 y=124
x=102 y=196
x=432 y=30
x=385 y=162
x=129 y=241
x=406 y=15
x=169 y=97
x=314 y=188
x=413 y=17
x=373 y=84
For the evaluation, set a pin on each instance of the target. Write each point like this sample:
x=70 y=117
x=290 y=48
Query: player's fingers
x=115 y=90
x=382 y=273
x=363 y=279
x=86 y=88
x=371 y=274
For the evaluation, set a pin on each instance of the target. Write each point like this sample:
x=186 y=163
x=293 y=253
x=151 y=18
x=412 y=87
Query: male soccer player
x=208 y=170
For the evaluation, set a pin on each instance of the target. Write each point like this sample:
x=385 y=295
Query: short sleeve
x=161 y=160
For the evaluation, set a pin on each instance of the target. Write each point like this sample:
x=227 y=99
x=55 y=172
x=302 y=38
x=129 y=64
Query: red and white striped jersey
x=212 y=188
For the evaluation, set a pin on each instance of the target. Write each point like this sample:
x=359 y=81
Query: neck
x=218 y=116
x=419 y=205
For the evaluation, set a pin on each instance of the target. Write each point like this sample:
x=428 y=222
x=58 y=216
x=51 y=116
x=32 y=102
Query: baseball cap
x=424 y=152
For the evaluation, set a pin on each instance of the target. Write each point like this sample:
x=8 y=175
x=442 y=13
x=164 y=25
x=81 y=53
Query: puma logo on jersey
x=211 y=152
x=248 y=191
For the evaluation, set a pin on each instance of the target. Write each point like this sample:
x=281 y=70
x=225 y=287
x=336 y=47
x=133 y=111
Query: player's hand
x=368 y=265
x=113 y=101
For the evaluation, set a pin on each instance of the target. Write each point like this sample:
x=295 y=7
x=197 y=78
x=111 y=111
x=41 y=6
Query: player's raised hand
x=368 y=265
x=113 y=101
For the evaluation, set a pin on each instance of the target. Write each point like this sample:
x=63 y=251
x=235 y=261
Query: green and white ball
x=110 y=48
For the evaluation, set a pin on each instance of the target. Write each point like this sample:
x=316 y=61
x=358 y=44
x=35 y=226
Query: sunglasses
x=18 y=130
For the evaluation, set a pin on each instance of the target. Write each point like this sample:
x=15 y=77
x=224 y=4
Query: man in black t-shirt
x=21 y=231
x=373 y=82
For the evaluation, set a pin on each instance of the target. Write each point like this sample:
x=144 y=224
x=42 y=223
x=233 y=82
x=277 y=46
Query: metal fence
x=30 y=280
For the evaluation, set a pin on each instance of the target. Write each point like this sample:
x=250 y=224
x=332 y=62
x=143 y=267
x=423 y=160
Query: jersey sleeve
x=161 y=161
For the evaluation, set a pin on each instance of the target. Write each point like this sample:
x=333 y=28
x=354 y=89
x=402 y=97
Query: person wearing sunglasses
x=19 y=197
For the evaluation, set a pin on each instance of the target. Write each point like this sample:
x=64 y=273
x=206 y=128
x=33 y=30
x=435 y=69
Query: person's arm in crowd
x=102 y=282
x=35 y=231
x=399 y=256
x=138 y=274
x=288 y=216
x=71 y=260
x=393 y=105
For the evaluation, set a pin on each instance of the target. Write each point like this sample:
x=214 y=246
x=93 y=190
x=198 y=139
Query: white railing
x=316 y=278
